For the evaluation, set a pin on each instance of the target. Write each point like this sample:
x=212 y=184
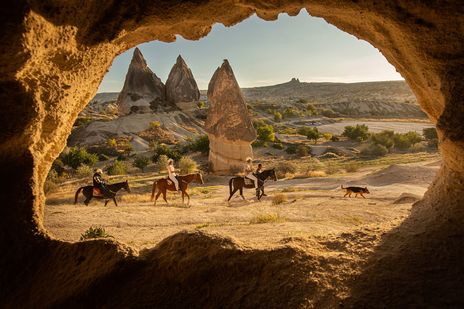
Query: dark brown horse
x=109 y=194
x=164 y=184
x=238 y=183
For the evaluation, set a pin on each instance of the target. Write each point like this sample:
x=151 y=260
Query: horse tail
x=77 y=194
x=153 y=190
x=230 y=185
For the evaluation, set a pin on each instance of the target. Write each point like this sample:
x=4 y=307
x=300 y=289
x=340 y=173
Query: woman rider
x=172 y=173
x=98 y=181
x=249 y=172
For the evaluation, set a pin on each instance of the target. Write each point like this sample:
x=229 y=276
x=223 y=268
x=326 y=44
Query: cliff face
x=228 y=123
x=143 y=91
x=181 y=85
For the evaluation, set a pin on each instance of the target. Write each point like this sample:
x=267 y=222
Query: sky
x=265 y=53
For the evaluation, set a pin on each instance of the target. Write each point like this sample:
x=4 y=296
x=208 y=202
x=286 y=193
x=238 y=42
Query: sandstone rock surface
x=181 y=85
x=228 y=124
x=143 y=91
x=52 y=58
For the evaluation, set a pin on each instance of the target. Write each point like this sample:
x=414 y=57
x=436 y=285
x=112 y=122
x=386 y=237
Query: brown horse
x=164 y=184
x=238 y=183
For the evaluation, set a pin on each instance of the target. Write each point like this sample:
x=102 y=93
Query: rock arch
x=54 y=55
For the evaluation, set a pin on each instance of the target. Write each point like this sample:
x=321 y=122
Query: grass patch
x=267 y=218
x=95 y=232
x=279 y=198
x=316 y=174
x=201 y=226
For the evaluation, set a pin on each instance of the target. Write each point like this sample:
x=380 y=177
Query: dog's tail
x=343 y=188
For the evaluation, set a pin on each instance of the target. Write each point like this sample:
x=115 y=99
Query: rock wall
x=52 y=58
x=225 y=154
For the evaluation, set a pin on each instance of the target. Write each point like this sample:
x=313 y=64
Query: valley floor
x=314 y=207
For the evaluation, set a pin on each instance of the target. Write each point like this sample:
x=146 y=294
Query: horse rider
x=98 y=182
x=258 y=171
x=249 y=172
x=172 y=173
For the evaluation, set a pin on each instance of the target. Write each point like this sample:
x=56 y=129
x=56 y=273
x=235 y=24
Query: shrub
x=314 y=165
x=332 y=169
x=141 y=162
x=316 y=174
x=162 y=162
x=200 y=144
x=385 y=138
x=284 y=168
x=187 y=165
x=401 y=142
x=94 y=232
x=357 y=133
x=267 y=218
x=163 y=149
x=117 y=168
x=311 y=109
x=413 y=137
x=51 y=181
x=200 y=104
x=84 y=171
x=327 y=136
x=335 y=138
x=279 y=146
x=277 y=116
x=77 y=156
x=374 y=150
x=266 y=133
x=303 y=150
x=419 y=147
x=291 y=149
x=112 y=143
x=430 y=133
x=279 y=199
x=155 y=125
x=329 y=113
x=312 y=133
x=58 y=167
x=351 y=167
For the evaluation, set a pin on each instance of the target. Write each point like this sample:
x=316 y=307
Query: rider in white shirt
x=249 y=172
x=172 y=173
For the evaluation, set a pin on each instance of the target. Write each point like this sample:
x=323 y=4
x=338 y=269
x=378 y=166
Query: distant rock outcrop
x=143 y=91
x=228 y=124
x=181 y=86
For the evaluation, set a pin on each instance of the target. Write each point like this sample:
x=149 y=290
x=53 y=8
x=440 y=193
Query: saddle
x=248 y=181
x=97 y=192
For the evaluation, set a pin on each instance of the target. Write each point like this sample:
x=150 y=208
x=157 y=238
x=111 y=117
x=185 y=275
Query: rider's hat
x=170 y=161
x=98 y=171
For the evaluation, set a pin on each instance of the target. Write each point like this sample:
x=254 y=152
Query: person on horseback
x=172 y=173
x=259 y=170
x=249 y=172
x=98 y=182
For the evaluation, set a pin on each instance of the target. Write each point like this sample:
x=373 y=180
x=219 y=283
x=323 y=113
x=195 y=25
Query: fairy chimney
x=143 y=91
x=228 y=124
x=181 y=85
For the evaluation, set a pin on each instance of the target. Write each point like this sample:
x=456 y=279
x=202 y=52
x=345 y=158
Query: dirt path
x=313 y=207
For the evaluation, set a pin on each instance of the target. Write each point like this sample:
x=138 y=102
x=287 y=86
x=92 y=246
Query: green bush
x=277 y=116
x=77 y=156
x=312 y=133
x=266 y=133
x=94 y=232
x=329 y=113
x=291 y=149
x=84 y=171
x=351 y=167
x=279 y=146
x=163 y=149
x=413 y=137
x=200 y=104
x=141 y=162
x=374 y=150
x=303 y=150
x=187 y=165
x=155 y=125
x=406 y=140
x=356 y=133
x=430 y=134
x=58 y=167
x=51 y=181
x=117 y=168
x=385 y=138
x=162 y=162
x=200 y=144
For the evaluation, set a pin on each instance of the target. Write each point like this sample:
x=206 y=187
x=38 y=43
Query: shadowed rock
x=181 y=85
x=143 y=91
x=228 y=124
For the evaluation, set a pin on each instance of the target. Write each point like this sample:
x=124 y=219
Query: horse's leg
x=164 y=196
x=188 y=198
x=241 y=193
x=183 y=194
x=87 y=200
x=233 y=192
x=156 y=198
x=106 y=202
x=114 y=200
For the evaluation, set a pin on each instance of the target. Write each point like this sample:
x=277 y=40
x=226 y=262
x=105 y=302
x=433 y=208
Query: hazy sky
x=265 y=53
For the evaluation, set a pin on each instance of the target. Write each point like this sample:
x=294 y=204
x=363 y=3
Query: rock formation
x=143 y=91
x=53 y=57
x=181 y=86
x=228 y=123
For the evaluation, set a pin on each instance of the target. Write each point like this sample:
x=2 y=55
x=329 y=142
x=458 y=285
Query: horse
x=238 y=183
x=164 y=184
x=108 y=194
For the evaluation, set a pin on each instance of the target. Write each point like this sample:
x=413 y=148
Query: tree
x=413 y=137
x=384 y=138
x=430 y=133
x=312 y=133
x=277 y=116
x=141 y=162
x=200 y=104
x=357 y=133
x=327 y=136
x=401 y=141
x=266 y=133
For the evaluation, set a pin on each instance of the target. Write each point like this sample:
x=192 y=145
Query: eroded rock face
x=143 y=91
x=53 y=57
x=228 y=124
x=181 y=85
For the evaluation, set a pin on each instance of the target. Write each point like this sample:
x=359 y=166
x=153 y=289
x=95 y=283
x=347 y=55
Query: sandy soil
x=313 y=207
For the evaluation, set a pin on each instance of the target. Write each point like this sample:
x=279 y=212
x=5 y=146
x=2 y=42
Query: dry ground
x=312 y=207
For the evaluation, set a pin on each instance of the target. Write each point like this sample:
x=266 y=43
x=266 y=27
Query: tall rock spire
x=181 y=85
x=228 y=123
x=143 y=91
